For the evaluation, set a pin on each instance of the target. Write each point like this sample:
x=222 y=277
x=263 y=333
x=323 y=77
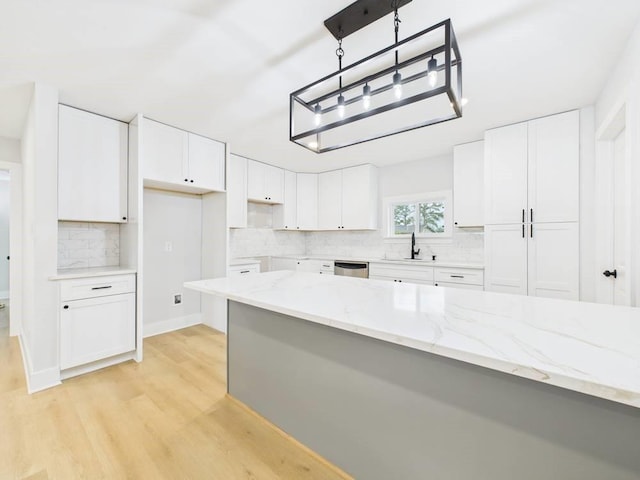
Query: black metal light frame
x=453 y=89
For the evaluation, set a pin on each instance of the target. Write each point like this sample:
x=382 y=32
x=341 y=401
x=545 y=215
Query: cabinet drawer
x=404 y=272
x=401 y=280
x=97 y=328
x=460 y=285
x=459 y=275
x=237 y=270
x=97 y=287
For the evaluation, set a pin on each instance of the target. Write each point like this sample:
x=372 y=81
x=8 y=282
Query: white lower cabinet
x=401 y=273
x=466 y=278
x=99 y=325
x=540 y=259
x=239 y=270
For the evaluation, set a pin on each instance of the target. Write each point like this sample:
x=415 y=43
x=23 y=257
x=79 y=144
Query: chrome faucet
x=414 y=252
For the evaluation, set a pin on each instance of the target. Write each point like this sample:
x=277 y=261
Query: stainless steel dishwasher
x=351 y=269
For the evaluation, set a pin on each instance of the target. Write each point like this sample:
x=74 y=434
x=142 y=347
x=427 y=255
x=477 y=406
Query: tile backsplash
x=88 y=244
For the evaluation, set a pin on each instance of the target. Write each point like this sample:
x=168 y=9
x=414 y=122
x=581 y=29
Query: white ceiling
x=225 y=68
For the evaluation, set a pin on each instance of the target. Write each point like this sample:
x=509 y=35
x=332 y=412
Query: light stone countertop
x=585 y=347
x=71 y=273
x=243 y=261
x=391 y=261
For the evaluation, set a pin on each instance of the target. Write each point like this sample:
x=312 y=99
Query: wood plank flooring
x=165 y=418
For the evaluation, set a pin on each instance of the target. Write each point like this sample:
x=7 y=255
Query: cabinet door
x=285 y=215
x=505 y=181
x=96 y=328
x=554 y=175
x=330 y=200
x=274 y=187
x=554 y=260
x=165 y=152
x=309 y=266
x=307 y=201
x=92 y=167
x=505 y=259
x=468 y=185
x=256 y=180
x=206 y=163
x=360 y=198
x=237 y=192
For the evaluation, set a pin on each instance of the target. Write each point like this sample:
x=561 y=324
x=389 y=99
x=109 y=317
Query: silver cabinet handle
x=101 y=288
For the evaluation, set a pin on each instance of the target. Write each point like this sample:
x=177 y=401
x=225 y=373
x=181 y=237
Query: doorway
x=5 y=218
x=615 y=275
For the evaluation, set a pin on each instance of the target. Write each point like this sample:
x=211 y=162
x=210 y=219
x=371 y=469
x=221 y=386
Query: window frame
x=390 y=203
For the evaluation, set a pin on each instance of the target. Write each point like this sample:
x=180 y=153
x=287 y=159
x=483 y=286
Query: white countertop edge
x=608 y=392
x=391 y=261
x=89 y=272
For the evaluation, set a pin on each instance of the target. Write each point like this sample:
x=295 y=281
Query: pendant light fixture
x=413 y=83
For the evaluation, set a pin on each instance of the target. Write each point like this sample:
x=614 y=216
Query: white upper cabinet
x=285 y=216
x=237 y=192
x=532 y=171
x=554 y=168
x=265 y=183
x=348 y=199
x=165 y=153
x=468 y=185
x=330 y=200
x=177 y=160
x=307 y=201
x=205 y=168
x=92 y=167
x=505 y=180
x=360 y=198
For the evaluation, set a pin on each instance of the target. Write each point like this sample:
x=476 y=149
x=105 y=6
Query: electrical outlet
x=177 y=299
x=168 y=246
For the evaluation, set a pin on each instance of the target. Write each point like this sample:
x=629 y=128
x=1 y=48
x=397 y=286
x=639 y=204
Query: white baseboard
x=166 y=326
x=40 y=380
x=97 y=365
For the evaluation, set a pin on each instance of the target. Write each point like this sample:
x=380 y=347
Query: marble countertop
x=391 y=261
x=70 y=273
x=586 y=347
x=243 y=261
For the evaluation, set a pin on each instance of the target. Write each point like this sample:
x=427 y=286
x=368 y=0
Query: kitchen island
x=394 y=380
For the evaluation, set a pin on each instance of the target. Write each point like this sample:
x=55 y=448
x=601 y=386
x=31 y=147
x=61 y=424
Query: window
x=427 y=215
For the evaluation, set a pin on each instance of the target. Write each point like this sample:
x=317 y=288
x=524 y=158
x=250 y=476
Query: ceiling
x=225 y=69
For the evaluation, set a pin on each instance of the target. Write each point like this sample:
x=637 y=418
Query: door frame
x=606 y=136
x=15 y=246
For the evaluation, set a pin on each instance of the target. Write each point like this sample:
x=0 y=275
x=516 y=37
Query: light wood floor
x=165 y=418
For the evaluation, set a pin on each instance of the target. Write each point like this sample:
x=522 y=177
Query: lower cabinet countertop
x=71 y=273
x=585 y=347
x=391 y=261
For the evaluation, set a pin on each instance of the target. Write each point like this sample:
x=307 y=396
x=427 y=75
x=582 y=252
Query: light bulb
x=318 y=114
x=397 y=85
x=366 y=97
x=341 y=106
x=432 y=72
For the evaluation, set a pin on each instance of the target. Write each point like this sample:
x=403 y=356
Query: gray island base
x=379 y=410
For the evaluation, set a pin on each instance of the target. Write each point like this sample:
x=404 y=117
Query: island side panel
x=379 y=410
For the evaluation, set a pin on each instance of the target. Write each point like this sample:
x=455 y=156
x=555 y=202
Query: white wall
x=175 y=218
x=4 y=233
x=39 y=337
x=10 y=150
x=623 y=88
x=426 y=175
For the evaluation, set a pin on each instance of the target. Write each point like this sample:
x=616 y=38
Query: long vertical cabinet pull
x=523 y=234
x=523 y=215
x=531 y=216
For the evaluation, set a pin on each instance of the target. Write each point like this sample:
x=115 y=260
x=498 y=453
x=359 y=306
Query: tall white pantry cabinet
x=532 y=207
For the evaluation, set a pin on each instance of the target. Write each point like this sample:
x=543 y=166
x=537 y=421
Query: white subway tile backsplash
x=88 y=244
